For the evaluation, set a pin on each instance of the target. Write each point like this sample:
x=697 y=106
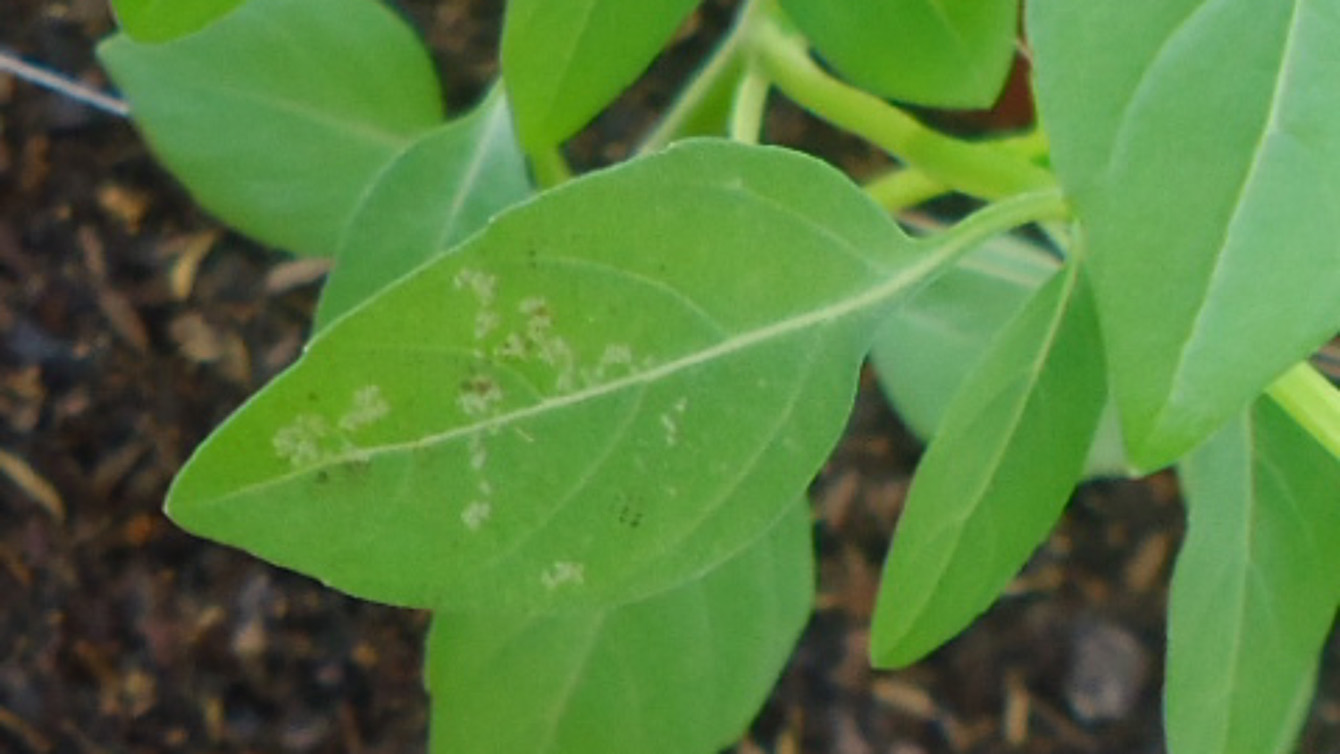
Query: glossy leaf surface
x=1200 y=144
x=162 y=20
x=996 y=476
x=1255 y=589
x=440 y=190
x=564 y=62
x=279 y=115
x=679 y=672
x=928 y=52
x=481 y=433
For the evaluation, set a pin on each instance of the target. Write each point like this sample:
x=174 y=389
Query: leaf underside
x=1198 y=140
x=482 y=433
x=1255 y=588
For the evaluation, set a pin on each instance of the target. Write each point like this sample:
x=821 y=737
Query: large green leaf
x=564 y=62
x=997 y=475
x=1200 y=143
x=674 y=341
x=431 y=197
x=941 y=53
x=1255 y=588
x=679 y=672
x=161 y=20
x=278 y=115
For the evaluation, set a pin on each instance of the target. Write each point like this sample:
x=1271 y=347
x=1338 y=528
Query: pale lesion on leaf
x=563 y=573
x=311 y=438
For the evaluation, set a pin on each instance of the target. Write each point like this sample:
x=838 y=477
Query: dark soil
x=131 y=323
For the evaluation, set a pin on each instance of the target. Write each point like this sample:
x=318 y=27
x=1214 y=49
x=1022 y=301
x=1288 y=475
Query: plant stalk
x=746 y=112
x=724 y=60
x=981 y=170
x=995 y=219
x=1312 y=401
x=549 y=167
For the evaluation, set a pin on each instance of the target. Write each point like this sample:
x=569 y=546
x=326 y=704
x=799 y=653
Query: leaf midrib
x=1034 y=375
x=1178 y=384
x=877 y=295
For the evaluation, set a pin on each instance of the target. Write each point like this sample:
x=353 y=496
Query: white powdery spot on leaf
x=369 y=406
x=670 y=421
x=563 y=573
x=479 y=396
x=479 y=455
x=483 y=285
x=299 y=443
x=476 y=514
x=486 y=321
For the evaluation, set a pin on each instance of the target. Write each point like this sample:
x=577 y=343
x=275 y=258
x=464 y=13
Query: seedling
x=576 y=416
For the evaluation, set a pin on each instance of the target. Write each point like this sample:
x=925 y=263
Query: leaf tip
x=894 y=643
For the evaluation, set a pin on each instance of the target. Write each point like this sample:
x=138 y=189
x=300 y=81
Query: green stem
x=902 y=188
x=993 y=220
x=1312 y=401
x=724 y=61
x=746 y=112
x=905 y=187
x=549 y=167
x=977 y=169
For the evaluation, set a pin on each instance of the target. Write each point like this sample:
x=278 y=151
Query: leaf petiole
x=1312 y=401
x=995 y=219
x=746 y=113
x=724 y=62
x=549 y=167
x=981 y=170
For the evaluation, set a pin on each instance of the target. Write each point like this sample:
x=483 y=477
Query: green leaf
x=997 y=475
x=929 y=346
x=928 y=52
x=278 y=115
x=564 y=62
x=1255 y=588
x=1199 y=144
x=440 y=190
x=678 y=672
x=162 y=20
x=478 y=434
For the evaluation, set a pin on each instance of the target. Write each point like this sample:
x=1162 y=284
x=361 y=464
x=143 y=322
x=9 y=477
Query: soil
x=131 y=323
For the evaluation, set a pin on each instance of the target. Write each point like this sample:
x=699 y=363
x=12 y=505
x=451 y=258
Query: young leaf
x=162 y=20
x=1200 y=144
x=928 y=52
x=564 y=62
x=440 y=190
x=674 y=340
x=1255 y=588
x=997 y=475
x=278 y=115
x=928 y=347
x=679 y=672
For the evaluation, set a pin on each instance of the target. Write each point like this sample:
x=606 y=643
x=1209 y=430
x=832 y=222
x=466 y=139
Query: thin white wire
x=10 y=63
